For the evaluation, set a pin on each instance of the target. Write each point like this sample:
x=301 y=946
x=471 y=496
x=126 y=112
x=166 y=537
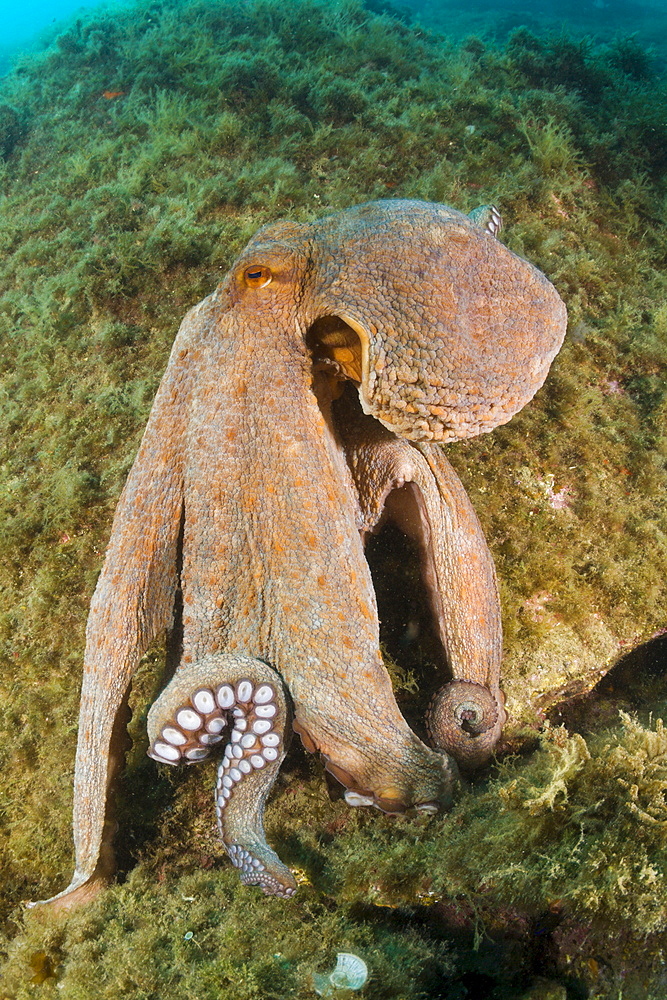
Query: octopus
x=305 y=403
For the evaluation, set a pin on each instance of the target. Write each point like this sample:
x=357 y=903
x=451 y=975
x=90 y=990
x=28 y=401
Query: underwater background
x=140 y=147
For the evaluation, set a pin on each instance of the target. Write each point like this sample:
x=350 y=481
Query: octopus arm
x=413 y=485
x=467 y=715
x=242 y=699
x=133 y=602
x=429 y=504
x=457 y=566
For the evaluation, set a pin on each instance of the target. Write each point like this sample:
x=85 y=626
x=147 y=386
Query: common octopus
x=305 y=402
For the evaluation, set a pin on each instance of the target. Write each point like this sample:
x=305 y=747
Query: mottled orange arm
x=132 y=603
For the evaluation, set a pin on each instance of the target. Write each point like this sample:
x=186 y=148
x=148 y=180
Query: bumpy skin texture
x=460 y=332
x=255 y=484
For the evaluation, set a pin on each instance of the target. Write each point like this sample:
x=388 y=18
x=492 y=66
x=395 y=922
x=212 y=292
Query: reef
x=139 y=154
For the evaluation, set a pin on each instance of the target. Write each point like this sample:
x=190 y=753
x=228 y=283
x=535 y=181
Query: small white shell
x=351 y=973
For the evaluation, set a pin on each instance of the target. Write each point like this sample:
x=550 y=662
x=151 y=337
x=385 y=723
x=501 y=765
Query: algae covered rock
x=10 y=129
x=117 y=215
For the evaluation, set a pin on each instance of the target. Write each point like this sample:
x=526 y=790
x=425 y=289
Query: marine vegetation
x=139 y=154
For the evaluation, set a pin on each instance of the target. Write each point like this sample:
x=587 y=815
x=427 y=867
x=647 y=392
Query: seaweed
x=138 y=155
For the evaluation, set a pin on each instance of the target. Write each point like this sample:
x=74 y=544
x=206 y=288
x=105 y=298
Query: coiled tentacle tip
x=464 y=719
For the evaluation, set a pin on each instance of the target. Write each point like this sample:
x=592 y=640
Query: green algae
x=116 y=214
x=547 y=836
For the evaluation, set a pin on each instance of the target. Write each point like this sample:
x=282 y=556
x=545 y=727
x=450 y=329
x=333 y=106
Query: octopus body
x=305 y=403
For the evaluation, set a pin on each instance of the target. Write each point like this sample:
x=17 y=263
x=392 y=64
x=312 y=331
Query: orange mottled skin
x=252 y=492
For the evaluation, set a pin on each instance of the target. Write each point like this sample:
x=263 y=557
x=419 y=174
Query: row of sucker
x=197 y=726
x=253 y=743
x=253 y=872
x=253 y=739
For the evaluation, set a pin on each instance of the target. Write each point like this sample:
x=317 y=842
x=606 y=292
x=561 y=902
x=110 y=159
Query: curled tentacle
x=415 y=486
x=465 y=719
x=243 y=700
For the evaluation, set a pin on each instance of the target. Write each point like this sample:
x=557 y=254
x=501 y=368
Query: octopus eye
x=257 y=276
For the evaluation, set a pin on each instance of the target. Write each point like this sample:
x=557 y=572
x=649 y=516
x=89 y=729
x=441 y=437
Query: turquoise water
x=21 y=22
x=597 y=19
x=26 y=27
x=32 y=26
